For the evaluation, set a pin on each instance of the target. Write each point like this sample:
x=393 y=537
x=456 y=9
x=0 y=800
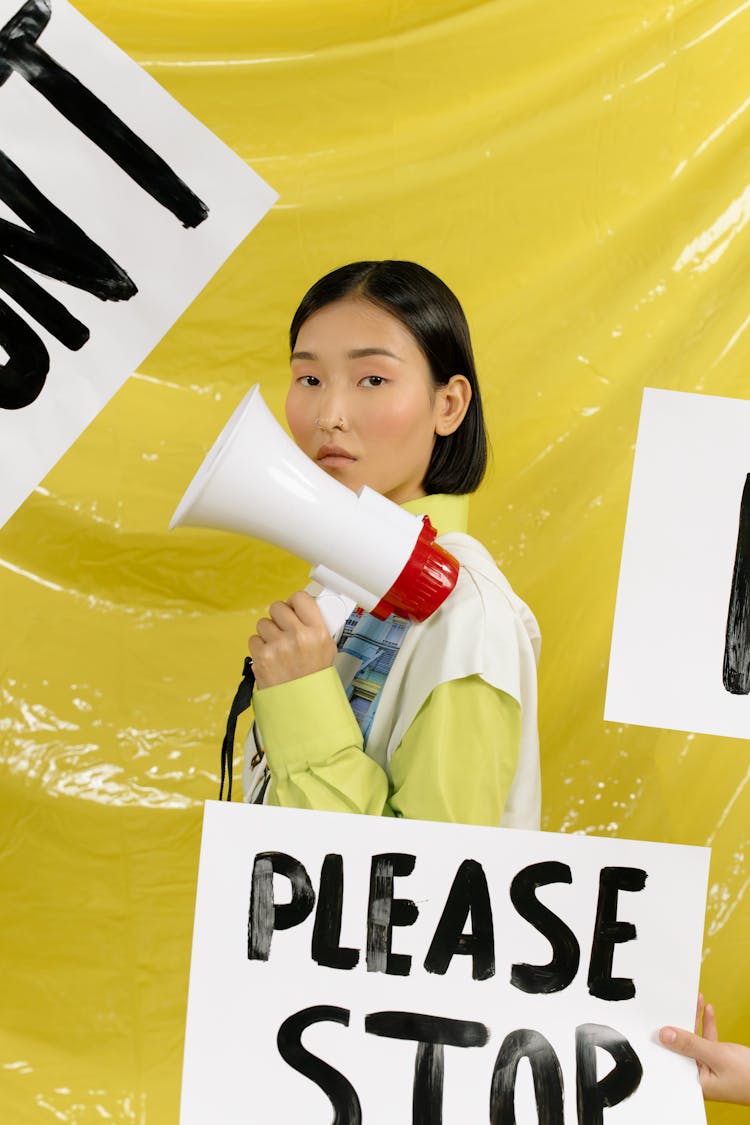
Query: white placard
x=548 y=943
x=667 y=663
x=146 y=248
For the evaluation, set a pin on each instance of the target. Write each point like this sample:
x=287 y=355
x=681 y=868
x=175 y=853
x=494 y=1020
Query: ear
x=451 y=403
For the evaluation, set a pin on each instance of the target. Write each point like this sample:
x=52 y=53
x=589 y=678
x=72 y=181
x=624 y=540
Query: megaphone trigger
x=334 y=607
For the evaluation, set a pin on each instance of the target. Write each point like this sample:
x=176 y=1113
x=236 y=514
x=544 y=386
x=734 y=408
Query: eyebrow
x=355 y=353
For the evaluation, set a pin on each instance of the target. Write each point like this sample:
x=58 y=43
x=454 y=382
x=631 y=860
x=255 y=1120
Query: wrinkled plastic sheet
x=578 y=174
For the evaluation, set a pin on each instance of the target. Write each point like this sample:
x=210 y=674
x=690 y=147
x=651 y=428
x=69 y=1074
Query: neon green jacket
x=444 y=768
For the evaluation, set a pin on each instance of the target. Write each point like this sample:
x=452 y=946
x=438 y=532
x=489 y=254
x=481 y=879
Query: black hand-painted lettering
x=338 y=1089
x=432 y=1034
x=608 y=932
x=384 y=912
x=55 y=246
x=265 y=915
x=545 y=1071
x=468 y=895
x=23 y=375
x=326 y=948
x=736 y=674
x=20 y=52
x=621 y=1081
x=566 y=953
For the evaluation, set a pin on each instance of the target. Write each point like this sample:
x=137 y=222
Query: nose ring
x=339 y=425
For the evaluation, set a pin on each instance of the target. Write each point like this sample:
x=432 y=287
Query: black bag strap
x=240 y=703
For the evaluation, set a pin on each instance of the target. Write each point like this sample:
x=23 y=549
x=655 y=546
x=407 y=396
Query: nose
x=331 y=412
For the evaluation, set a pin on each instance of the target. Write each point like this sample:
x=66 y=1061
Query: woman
x=384 y=393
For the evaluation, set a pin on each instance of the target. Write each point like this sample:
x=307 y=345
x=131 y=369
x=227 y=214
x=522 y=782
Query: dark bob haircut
x=432 y=314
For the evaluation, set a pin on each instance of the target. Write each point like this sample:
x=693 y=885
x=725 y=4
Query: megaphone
x=366 y=549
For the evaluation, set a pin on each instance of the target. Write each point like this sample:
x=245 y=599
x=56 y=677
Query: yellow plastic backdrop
x=578 y=173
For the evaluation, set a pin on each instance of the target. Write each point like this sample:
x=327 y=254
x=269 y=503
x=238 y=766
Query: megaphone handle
x=335 y=609
x=240 y=703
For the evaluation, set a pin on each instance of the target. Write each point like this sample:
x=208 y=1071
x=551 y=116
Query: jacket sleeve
x=457 y=759
x=455 y=762
x=314 y=748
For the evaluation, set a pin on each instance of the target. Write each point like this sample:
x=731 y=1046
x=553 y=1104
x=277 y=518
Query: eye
x=308 y=381
x=373 y=381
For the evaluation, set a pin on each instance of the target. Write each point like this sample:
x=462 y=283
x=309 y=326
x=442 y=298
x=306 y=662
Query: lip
x=334 y=455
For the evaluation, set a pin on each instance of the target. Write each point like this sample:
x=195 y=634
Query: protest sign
x=352 y=968
x=680 y=654
x=116 y=208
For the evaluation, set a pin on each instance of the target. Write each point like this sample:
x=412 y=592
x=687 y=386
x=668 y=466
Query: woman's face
x=362 y=404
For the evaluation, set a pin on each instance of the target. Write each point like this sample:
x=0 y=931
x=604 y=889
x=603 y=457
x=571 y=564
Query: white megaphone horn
x=363 y=547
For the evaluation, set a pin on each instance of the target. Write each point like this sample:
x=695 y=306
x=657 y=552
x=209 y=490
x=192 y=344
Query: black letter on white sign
x=545 y=1071
x=736 y=673
x=265 y=915
x=608 y=932
x=384 y=912
x=51 y=244
x=431 y=1033
x=338 y=1090
x=566 y=952
x=20 y=52
x=468 y=895
x=25 y=373
x=326 y=947
x=621 y=1081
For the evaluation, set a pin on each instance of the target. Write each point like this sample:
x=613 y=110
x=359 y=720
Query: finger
x=307 y=609
x=267 y=630
x=710 y=1030
x=699 y=1013
x=283 y=616
x=693 y=1046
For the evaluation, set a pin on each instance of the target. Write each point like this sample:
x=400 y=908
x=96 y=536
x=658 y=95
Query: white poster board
x=670 y=659
x=116 y=208
x=367 y=960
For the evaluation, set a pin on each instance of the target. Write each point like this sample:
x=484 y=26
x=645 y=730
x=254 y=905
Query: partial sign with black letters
x=355 y=969
x=680 y=655
x=116 y=208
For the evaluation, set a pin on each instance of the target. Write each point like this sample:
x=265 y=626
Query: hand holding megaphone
x=365 y=549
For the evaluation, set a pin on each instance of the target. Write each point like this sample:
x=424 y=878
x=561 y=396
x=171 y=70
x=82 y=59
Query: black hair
x=431 y=312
